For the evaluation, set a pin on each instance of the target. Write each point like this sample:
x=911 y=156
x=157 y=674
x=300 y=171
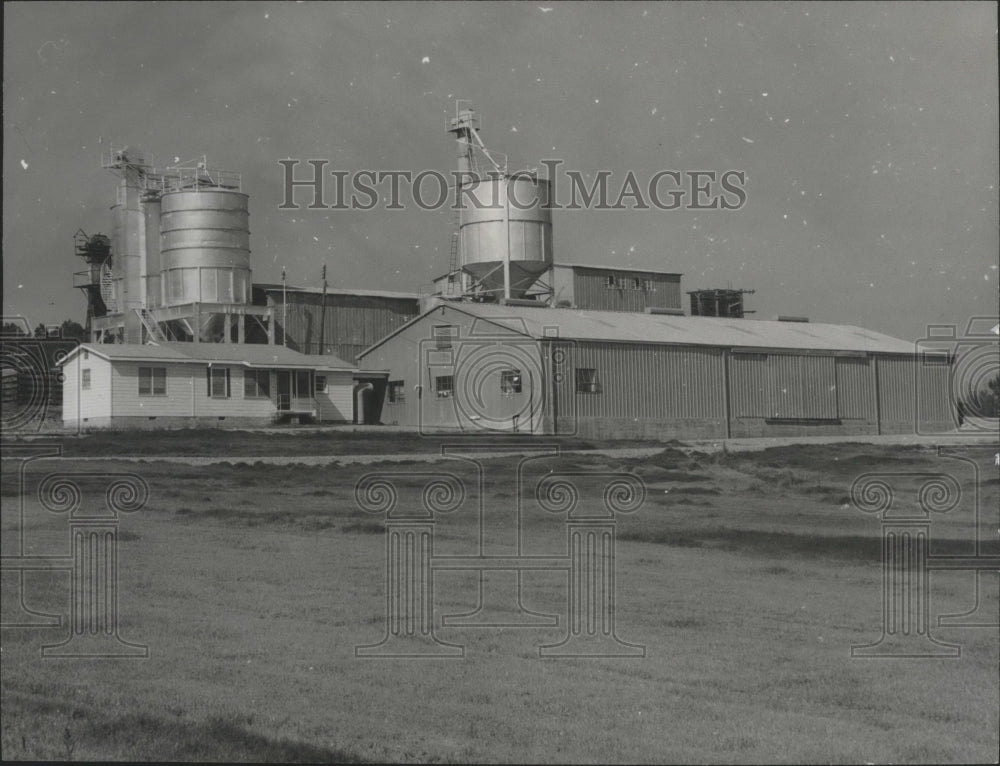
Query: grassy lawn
x=747 y=577
x=292 y=441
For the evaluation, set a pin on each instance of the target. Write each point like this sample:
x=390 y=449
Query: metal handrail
x=86 y=279
x=291 y=403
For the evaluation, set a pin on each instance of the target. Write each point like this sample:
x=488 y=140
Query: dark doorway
x=284 y=390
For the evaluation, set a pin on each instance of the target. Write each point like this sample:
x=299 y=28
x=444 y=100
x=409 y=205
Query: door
x=284 y=389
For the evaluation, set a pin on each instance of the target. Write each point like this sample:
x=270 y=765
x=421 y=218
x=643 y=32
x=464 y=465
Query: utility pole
x=284 y=310
x=322 y=315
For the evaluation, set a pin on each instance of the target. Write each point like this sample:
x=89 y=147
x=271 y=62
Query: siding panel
x=937 y=408
x=591 y=291
x=337 y=403
x=93 y=403
x=896 y=392
x=854 y=388
x=71 y=391
x=651 y=382
x=353 y=323
x=783 y=386
x=750 y=386
x=187 y=394
x=819 y=386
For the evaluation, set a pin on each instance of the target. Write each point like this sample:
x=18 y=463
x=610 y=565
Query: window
x=152 y=381
x=85 y=379
x=256 y=384
x=321 y=384
x=586 y=381
x=510 y=382
x=444 y=385
x=936 y=358
x=636 y=283
x=218 y=383
x=611 y=280
x=397 y=391
x=443 y=334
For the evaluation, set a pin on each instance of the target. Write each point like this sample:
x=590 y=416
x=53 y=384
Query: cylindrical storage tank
x=506 y=218
x=151 y=210
x=205 y=246
x=126 y=248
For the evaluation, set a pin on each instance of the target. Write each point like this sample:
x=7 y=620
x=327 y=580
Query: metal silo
x=504 y=238
x=506 y=233
x=205 y=246
x=127 y=245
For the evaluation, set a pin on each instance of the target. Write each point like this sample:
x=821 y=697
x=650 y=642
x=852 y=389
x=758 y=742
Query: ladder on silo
x=108 y=288
x=453 y=263
x=453 y=259
x=153 y=330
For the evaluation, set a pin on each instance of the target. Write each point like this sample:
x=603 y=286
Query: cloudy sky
x=868 y=133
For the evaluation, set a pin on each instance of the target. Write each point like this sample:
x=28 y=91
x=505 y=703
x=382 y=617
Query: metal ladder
x=453 y=272
x=108 y=288
x=152 y=326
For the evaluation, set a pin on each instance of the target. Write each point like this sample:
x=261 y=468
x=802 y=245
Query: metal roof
x=564 y=264
x=247 y=354
x=276 y=288
x=620 y=326
x=616 y=268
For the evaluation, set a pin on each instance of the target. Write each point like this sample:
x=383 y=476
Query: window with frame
x=321 y=384
x=636 y=283
x=936 y=358
x=397 y=391
x=218 y=383
x=510 y=382
x=586 y=380
x=85 y=379
x=610 y=281
x=444 y=334
x=152 y=381
x=256 y=384
x=444 y=386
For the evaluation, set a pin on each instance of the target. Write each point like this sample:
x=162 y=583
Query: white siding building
x=199 y=384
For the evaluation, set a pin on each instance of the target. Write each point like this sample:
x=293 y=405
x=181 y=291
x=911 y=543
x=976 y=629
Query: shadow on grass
x=364 y=527
x=783 y=544
x=218 y=739
x=60 y=731
x=310 y=522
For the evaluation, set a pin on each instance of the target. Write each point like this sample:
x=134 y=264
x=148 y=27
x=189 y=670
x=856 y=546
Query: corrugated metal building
x=354 y=320
x=602 y=288
x=197 y=384
x=619 y=375
x=611 y=288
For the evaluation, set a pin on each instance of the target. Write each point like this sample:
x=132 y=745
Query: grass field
x=747 y=577
x=275 y=441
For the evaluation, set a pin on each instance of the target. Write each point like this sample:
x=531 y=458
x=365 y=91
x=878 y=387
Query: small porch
x=295 y=395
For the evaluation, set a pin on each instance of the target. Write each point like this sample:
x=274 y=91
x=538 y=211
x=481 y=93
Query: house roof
x=247 y=355
x=620 y=326
x=277 y=288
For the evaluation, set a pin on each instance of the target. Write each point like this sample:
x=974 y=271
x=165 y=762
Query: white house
x=199 y=384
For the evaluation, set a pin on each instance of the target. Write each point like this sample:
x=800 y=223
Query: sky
x=868 y=133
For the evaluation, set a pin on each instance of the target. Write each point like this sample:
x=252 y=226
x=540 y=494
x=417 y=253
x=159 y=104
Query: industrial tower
x=502 y=243
x=177 y=265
